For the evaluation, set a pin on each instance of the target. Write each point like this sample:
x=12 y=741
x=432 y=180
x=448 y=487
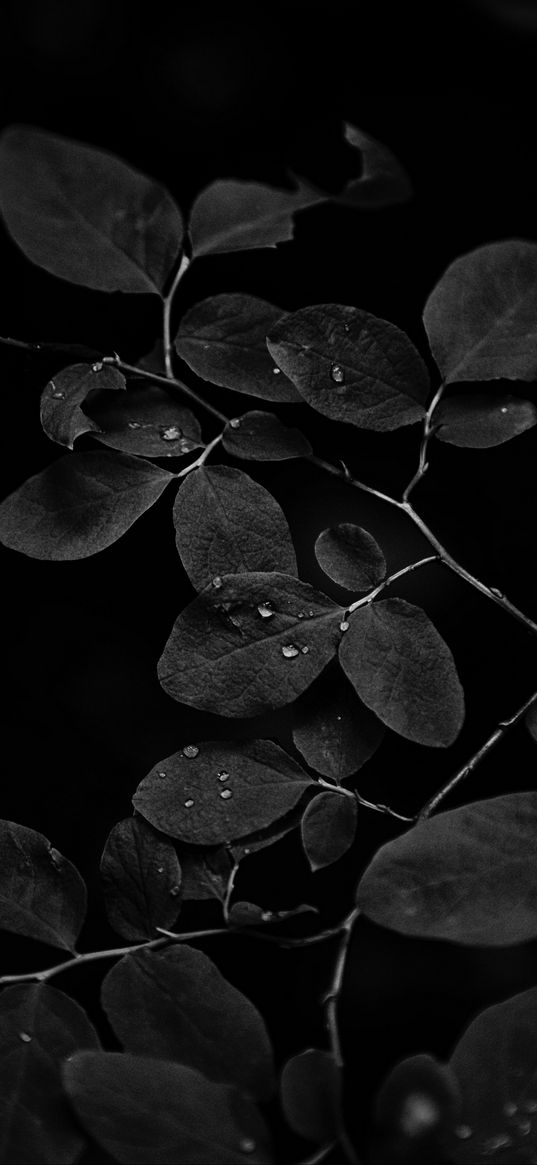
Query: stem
x=229 y=890
x=391 y=578
x=428 y=430
x=22 y=344
x=346 y=476
x=168 y=382
x=168 y=300
x=331 y=1001
x=202 y=457
x=383 y=809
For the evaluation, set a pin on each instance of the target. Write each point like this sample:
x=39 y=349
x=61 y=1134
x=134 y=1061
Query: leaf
x=79 y=505
x=216 y=792
x=141 y=879
x=468 y=875
x=480 y=421
x=418 y=1104
x=480 y=318
x=333 y=730
x=146 y=422
x=61 y=416
x=175 y=1004
x=404 y=671
x=328 y=828
x=238 y=649
x=205 y=873
x=39 y=1026
x=311 y=1095
x=262 y=437
x=42 y=895
x=141 y=1110
x=382 y=182
x=351 y=366
x=85 y=215
x=495 y=1063
x=226 y=523
x=223 y=340
x=350 y=556
x=238 y=216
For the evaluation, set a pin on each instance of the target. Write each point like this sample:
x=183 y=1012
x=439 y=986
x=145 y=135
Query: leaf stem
x=202 y=457
x=331 y=1002
x=428 y=430
x=166 y=322
x=391 y=578
x=229 y=890
x=168 y=382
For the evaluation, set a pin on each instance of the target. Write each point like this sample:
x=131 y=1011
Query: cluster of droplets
x=520 y=1124
x=56 y=393
x=337 y=374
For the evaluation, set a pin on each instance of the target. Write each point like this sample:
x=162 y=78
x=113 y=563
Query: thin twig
x=383 y=809
x=331 y=1002
x=168 y=382
x=428 y=430
x=391 y=579
x=166 y=322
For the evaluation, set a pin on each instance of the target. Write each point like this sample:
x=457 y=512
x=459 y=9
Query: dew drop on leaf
x=289 y=651
x=160 y=869
x=171 y=434
x=217 y=582
x=223 y=776
x=305 y=649
x=463 y=1132
x=189 y=803
x=503 y=410
x=226 y=794
x=276 y=371
x=190 y=751
x=26 y=1039
x=134 y=425
x=247 y=1145
x=346 y=327
x=344 y=626
x=97 y=367
x=337 y=374
x=162 y=773
x=57 y=393
x=234 y=424
x=175 y=890
x=265 y=610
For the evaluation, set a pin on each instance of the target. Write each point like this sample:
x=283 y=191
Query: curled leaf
x=237 y=216
x=146 y=422
x=61 y=415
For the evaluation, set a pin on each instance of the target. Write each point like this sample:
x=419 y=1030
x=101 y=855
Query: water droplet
x=234 y=424
x=246 y=851
x=175 y=891
x=530 y=1106
x=463 y=1132
x=311 y=614
x=289 y=651
x=190 y=751
x=265 y=610
x=301 y=615
x=247 y=1145
x=184 y=445
x=26 y=1039
x=305 y=650
x=223 y=776
x=346 y=327
x=266 y=915
x=217 y=582
x=338 y=717
x=171 y=434
x=56 y=858
x=510 y=1108
x=160 y=870
x=57 y=393
x=189 y=803
x=162 y=773
x=97 y=367
x=337 y=374
x=134 y=425
x=504 y=409
x=226 y=794
x=493 y=1144
x=524 y=1128
x=276 y=371
x=344 y=626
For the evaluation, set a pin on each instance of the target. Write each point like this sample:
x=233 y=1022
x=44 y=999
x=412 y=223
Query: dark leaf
x=333 y=730
x=39 y=1026
x=328 y=828
x=42 y=895
x=264 y=838
x=250 y=643
x=223 y=340
x=219 y=791
x=238 y=216
x=141 y=879
x=531 y=721
x=468 y=875
x=79 y=505
x=261 y=436
x=175 y=1004
x=85 y=215
x=351 y=366
x=418 y=1105
x=404 y=671
x=247 y=914
x=61 y=416
x=147 y=422
x=495 y=1063
x=205 y=873
x=141 y=1110
x=480 y=421
x=311 y=1095
x=481 y=316
x=226 y=523
x=351 y=557
x=382 y=182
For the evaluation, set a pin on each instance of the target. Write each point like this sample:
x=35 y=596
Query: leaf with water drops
x=351 y=366
x=248 y=643
x=176 y=1004
x=85 y=215
x=480 y=318
x=328 y=828
x=350 y=556
x=333 y=729
x=42 y=895
x=79 y=505
x=62 y=418
x=311 y=1095
x=382 y=182
x=404 y=672
x=416 y=1110
x=205 y=873
x=225 y=791
x=238 y=216
x=141 y=1109
x=141 y=879
x=481 y=422
x=223 y=340
x=227 y=523
x=262 y=437
x=468 y=875
x=147 y=422
x=39 y=1027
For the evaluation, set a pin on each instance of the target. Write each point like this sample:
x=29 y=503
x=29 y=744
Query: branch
x=331 y=1002
x=167 y=382
x=392 y=578
x=168 y=301
x=428 y=430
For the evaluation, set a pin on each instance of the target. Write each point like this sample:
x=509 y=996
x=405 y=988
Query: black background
x=188 y=93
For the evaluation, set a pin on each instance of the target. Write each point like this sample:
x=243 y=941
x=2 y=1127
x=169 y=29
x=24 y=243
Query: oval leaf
x=351 y=557
x=480 y=422
x=333 y=730
x=311 y=1095
x=79 y=505
x=85 y=215
x=223 y=340
x=237 y=216
x=351 y=366
x=205 y=874
x=143 y=1110
x=175 y=1005
x=382 y=182
x=42 y=895
x=262 y=437
x=217 y=792
x=61 y=416
x=468 y=875
x=39 y=1026
x=495 y=1063
x=404 y=671
x=328 y=828
x=226 y=523
x=141 y=879
x=147 y=422
x=250 y=643
x=481 y=316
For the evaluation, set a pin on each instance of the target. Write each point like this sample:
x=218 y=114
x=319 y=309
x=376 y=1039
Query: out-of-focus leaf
x=333 y=729
x=141 y=879
x=42 y=895
x=147 y=422
x=480 y=421
x=328 y=828
x=238 y=216
x=350 y=556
